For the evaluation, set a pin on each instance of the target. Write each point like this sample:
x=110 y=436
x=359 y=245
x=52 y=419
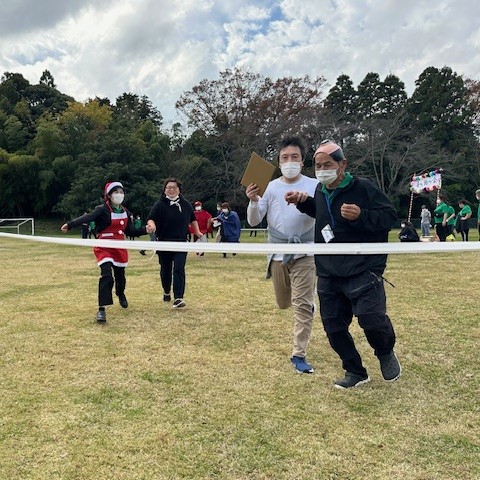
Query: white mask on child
x=117 y=198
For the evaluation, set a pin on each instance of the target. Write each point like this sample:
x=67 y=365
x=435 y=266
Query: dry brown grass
x=208 y=391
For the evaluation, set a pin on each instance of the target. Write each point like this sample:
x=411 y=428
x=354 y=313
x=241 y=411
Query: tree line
x=56 y=154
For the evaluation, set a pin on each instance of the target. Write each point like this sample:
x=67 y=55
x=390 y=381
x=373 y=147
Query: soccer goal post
x=21 y=225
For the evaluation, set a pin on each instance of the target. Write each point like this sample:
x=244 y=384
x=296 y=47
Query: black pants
x=441 y=231
x=363 y=296
x=172 y=266
x=464 y=234
x=106 y=282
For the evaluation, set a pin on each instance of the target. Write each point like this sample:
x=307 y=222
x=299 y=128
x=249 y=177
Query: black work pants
x=362 y=295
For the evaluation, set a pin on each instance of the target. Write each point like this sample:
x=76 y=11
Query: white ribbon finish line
x=265 y=248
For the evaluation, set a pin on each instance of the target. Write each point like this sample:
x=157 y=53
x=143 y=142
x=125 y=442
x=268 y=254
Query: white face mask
x=225 y=210
x=117 y=198
x=439 y=202
x=198 y=208
x=291 y=169
x=402 y=225
x=326 y=177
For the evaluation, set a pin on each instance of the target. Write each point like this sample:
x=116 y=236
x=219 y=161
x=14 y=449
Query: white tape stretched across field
x=265 y=248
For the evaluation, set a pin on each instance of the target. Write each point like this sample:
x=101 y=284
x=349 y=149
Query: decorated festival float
x=425 y=183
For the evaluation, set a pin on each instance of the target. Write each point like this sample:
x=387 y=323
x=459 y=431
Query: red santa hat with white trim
x=110 y=186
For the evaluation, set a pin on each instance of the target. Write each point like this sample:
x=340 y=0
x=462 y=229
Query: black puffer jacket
x=375 y=221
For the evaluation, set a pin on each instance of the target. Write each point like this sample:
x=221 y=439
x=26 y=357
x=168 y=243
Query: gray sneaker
x=351 y=380
x=390 y=367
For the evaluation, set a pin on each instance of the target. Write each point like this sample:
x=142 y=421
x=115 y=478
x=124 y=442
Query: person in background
x=293 y=276
x=91 y=230
x=230 y=226
x=132 y=220
x=440 y=215
x=348 y=209
x=425 y=221
x=408 y=233
x=137 y=223
x=203 y=219
x=215 y=224
x=84 y=228
x=451 y=217
x=463 y=219
x=113 y=222
x=169 y=219
x=477 y=196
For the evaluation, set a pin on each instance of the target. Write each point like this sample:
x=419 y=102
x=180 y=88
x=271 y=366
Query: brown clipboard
x=257 y=171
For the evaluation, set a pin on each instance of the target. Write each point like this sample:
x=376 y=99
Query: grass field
x=208 y=392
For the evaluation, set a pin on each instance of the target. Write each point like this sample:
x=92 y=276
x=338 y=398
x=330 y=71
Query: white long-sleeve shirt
x=283 y=217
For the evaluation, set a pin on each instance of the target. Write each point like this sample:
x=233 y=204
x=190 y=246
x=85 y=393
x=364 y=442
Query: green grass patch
x=208 y=392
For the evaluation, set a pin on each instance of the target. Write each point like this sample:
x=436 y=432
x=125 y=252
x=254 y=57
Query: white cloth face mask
x=291 y=169
x=326 y=177
x=117 y=198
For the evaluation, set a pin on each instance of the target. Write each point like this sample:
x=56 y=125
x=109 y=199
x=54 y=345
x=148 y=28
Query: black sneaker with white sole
x=179 y=303
x=351 y=380
x=101 y=316
x=390 y=367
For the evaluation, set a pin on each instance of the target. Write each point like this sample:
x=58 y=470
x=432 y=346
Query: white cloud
x=162 y=48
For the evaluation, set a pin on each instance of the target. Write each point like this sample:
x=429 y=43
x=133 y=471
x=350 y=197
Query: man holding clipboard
x=293 y=275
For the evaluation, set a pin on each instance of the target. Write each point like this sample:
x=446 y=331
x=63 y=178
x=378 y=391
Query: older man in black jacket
x=351 y=210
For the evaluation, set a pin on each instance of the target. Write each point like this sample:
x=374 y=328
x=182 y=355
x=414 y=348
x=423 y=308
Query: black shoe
x=390 y=367
x=179 y=303
x=101 y=316
x=142 y=252
x=167 y=297
x=123 y=300
x=351 y=381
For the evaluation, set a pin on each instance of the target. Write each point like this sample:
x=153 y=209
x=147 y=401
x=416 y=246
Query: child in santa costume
x=113 y=222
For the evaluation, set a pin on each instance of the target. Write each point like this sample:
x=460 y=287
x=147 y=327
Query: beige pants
x=294 y=285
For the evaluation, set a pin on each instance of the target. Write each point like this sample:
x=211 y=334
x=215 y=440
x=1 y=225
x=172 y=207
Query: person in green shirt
x=463 y=218
x=441 y=214
x=451 y=217
x=91 y=230
x=477 y=195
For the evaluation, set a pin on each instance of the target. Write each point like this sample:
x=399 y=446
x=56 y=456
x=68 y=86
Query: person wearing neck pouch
x=349 y=209
x=230 y=226
x=293 y=276
x=112 y=222
x=170 y=218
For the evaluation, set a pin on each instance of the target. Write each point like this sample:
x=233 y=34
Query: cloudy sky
x=162 y=48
